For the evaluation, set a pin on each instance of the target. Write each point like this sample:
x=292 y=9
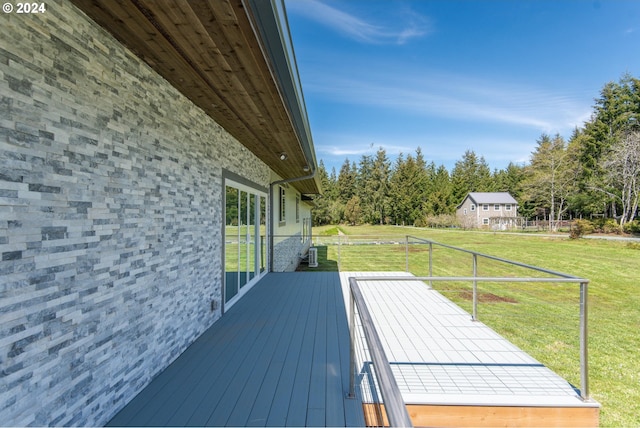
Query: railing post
x=475 y=288
x=406 y=252
x=584 y=332
x=352 y=348
x=339 y=245
x=430 y=263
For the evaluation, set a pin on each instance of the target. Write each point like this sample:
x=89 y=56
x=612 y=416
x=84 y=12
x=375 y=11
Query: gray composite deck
x=278 y=357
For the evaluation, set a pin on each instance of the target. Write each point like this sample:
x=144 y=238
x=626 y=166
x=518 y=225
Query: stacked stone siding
x=287 y=253
x=110 y=220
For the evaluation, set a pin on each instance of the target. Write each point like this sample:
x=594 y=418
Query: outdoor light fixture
x=305 y=168
x=283 y=156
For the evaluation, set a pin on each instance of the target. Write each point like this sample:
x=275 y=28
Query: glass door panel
x=263 y=234
x=252 y=235
x=245 y=256
x=244 y=241
x=231 y=249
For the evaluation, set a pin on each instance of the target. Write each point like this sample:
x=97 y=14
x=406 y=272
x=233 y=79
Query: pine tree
x=440 y=200
x=346 y=186
x=616 y=111
x=470 y=174
x=379 y=184
x=322 y=211
x=551 y=177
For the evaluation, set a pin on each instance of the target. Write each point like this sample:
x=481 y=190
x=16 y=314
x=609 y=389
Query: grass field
x=540 y=318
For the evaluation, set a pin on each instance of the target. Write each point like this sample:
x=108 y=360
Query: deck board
x=280 y=357
x=297 y=414
x=281 y=399
x=273 y=359
x=246 y=384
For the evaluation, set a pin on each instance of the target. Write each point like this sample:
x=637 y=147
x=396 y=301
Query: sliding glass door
x=245 y=240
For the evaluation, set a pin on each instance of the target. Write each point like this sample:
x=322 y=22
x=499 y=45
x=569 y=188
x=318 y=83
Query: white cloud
x=412 y=26
x=356 y=145
x=452 y=96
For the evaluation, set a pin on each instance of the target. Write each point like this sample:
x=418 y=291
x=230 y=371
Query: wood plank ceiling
x=208 y=50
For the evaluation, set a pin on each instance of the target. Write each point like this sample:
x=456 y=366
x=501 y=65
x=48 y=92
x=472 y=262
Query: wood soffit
x=208 y=50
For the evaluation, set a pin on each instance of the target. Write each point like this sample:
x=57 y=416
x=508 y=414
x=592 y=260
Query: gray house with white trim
x=495 y=210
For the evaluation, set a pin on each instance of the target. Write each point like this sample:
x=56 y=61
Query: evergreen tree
x=616 y=116
x=379 y=185
x=364 y=188
x=509 y=180
x=470 y=174
x=346 y=183
x=551 y=177
x=353 y=210
x=408 y=188
x=322 y=212
x=440 y=200
x=617 y=111
x=400 y=199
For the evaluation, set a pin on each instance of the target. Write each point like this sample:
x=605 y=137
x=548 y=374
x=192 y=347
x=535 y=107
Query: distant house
x=495 y=210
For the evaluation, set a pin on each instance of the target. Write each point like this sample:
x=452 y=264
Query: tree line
x=595 y=173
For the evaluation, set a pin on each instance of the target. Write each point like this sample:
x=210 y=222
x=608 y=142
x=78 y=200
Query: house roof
x=490 y=198
x=232 y=58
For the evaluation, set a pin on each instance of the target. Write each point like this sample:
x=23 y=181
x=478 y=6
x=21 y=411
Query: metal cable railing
x=415 y=255
x=394 y=406
x=555 y=277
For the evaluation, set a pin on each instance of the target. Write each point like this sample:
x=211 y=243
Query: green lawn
x=540 y=318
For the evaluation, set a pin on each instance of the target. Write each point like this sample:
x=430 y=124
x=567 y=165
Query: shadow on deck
x=278 y=357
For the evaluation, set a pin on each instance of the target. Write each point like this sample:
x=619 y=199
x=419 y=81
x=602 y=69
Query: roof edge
x=269 y=20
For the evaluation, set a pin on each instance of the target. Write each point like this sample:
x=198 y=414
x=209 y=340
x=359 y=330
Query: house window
x=283 y=210
x=485 y=221
x=496 y=207
x=306 y=229
x=485 y=207
x=297 y=209
x=507 y=207
x=473 y=207
x=465 y=211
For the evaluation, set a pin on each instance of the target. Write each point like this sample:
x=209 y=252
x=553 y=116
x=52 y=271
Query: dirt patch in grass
x=486 y=297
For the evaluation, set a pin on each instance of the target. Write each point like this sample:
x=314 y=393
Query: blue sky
x=449 y=76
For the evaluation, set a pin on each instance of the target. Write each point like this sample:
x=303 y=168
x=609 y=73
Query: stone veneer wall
x=287 y=253
x=110 y=220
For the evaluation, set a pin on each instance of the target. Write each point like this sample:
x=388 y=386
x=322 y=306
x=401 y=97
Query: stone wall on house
x=110 y=220
x=287 y=252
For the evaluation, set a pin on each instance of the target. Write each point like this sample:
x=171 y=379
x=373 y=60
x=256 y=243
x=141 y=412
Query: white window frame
x=507 y=207
x=496 y=207
x=485 y=221
x=485 y=207
x=473 y=207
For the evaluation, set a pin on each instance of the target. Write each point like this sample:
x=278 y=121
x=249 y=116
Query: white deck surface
x=440 y=356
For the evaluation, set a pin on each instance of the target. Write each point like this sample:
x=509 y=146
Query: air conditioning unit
x=313 y=257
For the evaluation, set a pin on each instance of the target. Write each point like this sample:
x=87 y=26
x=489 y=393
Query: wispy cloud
x=412 y=25
x=354 y=146
x=456 y=97
x=442 y=149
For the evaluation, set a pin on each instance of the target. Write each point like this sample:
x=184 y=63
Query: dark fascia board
x=270 y=23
